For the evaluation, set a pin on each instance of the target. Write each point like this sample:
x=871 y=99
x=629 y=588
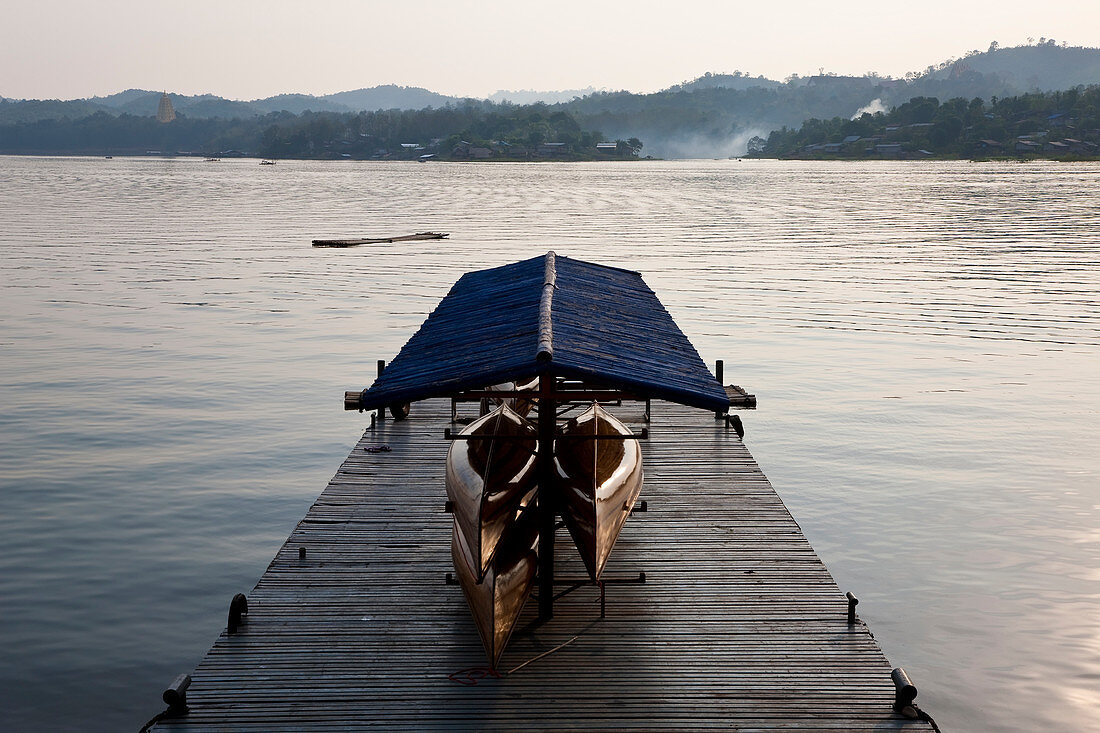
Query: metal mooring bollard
x=238 y=608
x=176 y=697
x=852 y=603
x=904 y=694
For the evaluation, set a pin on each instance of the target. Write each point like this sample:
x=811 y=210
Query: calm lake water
x=924 y=340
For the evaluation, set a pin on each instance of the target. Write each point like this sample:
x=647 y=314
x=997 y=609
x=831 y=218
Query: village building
x=553 y=149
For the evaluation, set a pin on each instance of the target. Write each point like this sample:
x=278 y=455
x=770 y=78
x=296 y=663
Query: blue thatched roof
x=549 y=315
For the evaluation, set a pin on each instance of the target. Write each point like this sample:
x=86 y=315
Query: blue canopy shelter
x=549 y=315
x=554 y=318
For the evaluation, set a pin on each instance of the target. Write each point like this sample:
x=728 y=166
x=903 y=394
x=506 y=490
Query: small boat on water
x=497 y=598
x=599 y=481
x=490 y=478
x=267 y=162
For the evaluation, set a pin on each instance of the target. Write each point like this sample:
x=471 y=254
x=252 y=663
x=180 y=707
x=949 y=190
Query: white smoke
x=701 y=146
x=874 y=107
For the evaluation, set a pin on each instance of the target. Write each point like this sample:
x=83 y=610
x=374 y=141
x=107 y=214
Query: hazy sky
x=244 y=49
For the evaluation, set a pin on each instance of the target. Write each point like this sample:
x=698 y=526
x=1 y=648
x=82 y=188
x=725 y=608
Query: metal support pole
x=719 y=369
x=547 y=503
x=381 y=368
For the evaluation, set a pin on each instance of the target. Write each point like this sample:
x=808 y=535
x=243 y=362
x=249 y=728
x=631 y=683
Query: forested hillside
x=695 y=120
x=470 y=131
x=712 y=116
x=1042 y=124
x=716 y=115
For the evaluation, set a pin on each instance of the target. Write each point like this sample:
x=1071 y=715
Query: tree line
x=362 y=135
x=1063 y=123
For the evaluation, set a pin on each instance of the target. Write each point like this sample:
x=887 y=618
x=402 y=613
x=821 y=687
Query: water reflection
x=922 y=337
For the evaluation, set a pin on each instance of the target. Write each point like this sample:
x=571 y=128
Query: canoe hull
x=521 y=405
x=489 y=482
x=497 y=598
x=599 y=482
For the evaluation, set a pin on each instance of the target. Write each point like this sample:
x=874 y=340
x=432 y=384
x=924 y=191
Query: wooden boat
x=599 y=481
x=497 y=599
x=521 y=405
x=490 y=481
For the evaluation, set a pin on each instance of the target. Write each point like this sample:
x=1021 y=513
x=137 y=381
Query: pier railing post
x=547 y=505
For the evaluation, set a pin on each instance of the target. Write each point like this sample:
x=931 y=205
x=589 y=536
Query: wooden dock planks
x=739 y=625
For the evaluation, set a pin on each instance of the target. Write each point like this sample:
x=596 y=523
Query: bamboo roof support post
x=547 y=498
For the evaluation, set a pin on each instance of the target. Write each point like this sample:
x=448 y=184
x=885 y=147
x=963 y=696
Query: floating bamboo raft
x=356 y=242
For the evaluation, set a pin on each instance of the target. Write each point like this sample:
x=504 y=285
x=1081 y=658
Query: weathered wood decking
x=739 y=626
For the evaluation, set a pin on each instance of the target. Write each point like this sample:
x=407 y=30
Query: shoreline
x=646 y=159
x=218 y=158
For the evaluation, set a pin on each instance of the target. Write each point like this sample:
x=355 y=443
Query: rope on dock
x=540 y=656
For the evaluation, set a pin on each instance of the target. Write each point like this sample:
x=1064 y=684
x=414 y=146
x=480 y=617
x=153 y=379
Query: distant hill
x=462 y=132
x=694 y=120
x=119 y=100
x=1045 y=67
x=1059 y=124
x=33 y=110
x=143 y=103
x=717 y=114
x=299 y=103
x=208 y=106
x=1001 y=72
x=389 y=96
x=530 y=96
x=710 y=116
x=736 y=80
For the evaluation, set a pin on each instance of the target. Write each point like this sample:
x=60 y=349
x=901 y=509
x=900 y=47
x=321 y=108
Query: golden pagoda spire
x=165 y=113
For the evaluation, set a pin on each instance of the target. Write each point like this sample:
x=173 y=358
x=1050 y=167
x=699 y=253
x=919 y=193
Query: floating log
x=386 y=240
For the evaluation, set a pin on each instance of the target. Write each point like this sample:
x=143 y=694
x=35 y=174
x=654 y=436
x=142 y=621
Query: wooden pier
x=738 y=625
